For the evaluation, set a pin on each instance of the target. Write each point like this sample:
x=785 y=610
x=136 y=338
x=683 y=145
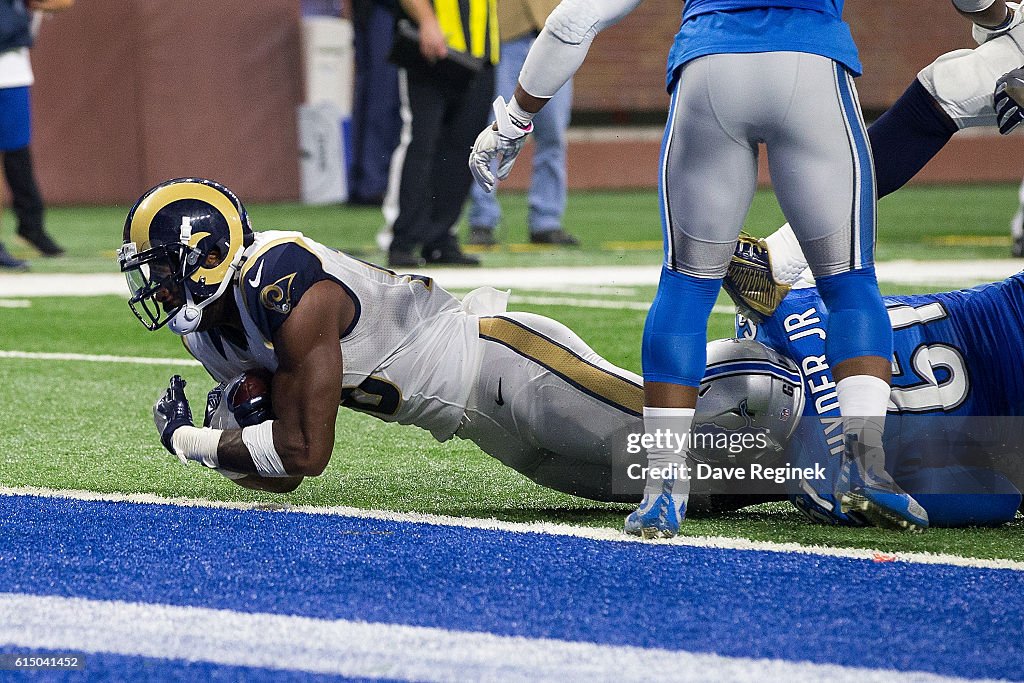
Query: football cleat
x=749 y=281
x=658 y=516
x=875 y=497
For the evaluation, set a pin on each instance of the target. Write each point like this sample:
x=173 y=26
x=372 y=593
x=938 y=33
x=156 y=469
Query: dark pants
x=25 y=198
x=444 y=120
x=376 y=121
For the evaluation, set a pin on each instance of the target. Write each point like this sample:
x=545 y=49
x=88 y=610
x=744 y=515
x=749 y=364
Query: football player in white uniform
x=334 y=331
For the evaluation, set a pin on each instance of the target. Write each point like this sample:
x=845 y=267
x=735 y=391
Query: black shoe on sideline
x=556 y=237
x=451 y=257
x=43 y=242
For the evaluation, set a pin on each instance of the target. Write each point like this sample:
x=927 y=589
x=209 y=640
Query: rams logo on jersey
x=278 y=295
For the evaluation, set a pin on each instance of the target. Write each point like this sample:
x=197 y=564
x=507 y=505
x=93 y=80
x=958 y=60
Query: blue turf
x=949 y=620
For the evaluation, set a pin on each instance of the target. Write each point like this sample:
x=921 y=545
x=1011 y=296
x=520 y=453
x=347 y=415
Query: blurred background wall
x=131 y=92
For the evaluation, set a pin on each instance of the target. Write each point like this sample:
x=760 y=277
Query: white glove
x=982 y=35
x=502 y=141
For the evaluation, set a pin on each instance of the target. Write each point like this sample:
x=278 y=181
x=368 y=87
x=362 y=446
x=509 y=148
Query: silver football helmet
x=748 y=404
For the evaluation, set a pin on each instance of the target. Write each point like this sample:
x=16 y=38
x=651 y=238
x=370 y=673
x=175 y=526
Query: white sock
x=787 y=256
x=669 y=427
x=863 y=401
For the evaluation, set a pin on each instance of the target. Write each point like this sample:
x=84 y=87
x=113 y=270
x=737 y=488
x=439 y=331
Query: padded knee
x=676 y=330
x=858 y=324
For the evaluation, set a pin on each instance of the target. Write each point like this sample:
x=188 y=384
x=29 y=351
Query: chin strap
x=187 y=320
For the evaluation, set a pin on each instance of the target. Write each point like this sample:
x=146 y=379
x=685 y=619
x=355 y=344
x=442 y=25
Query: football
x=249 y=386
x=248 y=397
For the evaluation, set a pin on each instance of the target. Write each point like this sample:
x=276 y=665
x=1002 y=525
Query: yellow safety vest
x=477 y=19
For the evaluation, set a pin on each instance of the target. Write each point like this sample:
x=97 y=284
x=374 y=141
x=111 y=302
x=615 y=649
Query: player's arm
x=306 y=394
x=556 y=54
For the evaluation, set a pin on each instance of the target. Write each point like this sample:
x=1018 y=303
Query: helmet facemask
x=156 y=279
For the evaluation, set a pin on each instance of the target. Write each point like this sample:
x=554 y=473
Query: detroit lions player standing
x=742 y=73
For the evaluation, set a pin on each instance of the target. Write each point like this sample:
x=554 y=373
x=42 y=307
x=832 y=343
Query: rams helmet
x=747 y=389
x=183 y=244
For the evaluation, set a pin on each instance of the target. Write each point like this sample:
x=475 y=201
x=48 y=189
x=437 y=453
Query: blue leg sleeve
x=676 y=330
x=858 y=324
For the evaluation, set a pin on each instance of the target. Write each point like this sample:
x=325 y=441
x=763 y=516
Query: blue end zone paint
x=108 y=667
x=949 y=620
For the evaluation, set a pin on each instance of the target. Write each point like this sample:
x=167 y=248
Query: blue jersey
x=733 y=26
x=956 y=380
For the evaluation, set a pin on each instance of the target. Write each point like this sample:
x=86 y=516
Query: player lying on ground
x=334 y=330
x=523 y=387
x=956 y=392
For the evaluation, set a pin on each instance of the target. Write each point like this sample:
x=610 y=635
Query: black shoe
x=8 y=262
x=558 y=237
x=404 y=259
x=482 y=237
x=43 y=242
x=451 y=257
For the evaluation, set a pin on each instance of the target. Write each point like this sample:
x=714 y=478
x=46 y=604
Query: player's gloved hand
x=171 y=412
x=749 y=281
x=502 y=141
x=1009 y=100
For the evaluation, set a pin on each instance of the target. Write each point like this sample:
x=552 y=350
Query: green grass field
x=87 y=425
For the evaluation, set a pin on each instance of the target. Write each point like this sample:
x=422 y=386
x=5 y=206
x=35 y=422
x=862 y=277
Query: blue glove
x=172 y=411
x=1009 y=97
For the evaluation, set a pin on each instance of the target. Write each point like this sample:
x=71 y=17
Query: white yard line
x=590 y=533
x=374 y=650
x=947 y=273
x=96 y=358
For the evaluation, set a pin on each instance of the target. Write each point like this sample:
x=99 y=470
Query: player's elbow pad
x=578 y=21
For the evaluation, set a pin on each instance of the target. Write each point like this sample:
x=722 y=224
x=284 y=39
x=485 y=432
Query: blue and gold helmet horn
x=183 y=243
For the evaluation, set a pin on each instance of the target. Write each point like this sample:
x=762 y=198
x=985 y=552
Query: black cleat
x=556 y=237
x=43 y=242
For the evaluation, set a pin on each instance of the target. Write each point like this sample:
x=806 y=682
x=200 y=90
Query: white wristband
x=259 y=439
x=973 y=5
x=518 y=114
x=197 y=443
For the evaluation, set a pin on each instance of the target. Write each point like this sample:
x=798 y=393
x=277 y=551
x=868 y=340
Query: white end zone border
x=590 y=533
x=377 y=650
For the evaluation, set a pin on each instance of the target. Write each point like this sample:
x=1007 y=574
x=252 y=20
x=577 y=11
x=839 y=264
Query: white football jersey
x=410 y=356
